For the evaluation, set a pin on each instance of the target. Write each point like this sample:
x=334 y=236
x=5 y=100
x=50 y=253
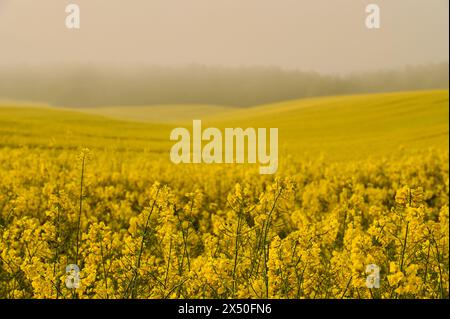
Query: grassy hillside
x=355 y=126
x=44 y=127
x=161 y=113
x=338 y=127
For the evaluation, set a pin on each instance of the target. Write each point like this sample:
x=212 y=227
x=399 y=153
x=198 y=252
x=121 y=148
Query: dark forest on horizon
x=87 y=85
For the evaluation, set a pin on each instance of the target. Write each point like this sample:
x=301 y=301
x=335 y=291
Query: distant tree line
x=85 y=85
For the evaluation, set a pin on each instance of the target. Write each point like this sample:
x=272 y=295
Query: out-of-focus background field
x=342 y=127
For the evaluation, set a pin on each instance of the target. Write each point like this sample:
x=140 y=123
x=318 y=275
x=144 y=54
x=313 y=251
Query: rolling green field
x=340 y=128
x=170 y=114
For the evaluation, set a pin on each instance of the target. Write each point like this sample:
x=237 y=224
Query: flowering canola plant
x=140 y=228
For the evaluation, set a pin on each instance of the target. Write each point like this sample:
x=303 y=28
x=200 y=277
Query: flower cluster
x=151 y=229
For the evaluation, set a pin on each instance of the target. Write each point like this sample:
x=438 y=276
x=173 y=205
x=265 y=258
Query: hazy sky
x=323 y=35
